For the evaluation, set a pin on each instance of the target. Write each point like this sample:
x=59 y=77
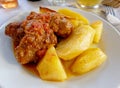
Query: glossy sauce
x=31 y=68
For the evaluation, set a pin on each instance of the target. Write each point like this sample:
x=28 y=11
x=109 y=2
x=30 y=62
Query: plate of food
x=55 y=47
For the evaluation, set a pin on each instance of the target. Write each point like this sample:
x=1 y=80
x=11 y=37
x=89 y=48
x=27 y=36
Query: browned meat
x=28 y=48
x=15 y=31
x=58 y=22
x=36 y=39
x=45 y=17
x=33 y=36
x=60 y=25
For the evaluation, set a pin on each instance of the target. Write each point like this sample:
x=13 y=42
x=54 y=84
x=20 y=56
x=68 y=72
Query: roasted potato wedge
x=75 y=15
x=50 y=68
x=98 y=26
x=80 y=40
x=88 y=60
x=45 y=10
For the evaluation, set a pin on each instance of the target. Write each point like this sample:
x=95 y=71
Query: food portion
x=74 y=15
x=51 y=68
x=32 y=36
x=80 y=40
x=58 y=43
x=98 y=26
x=88 y=60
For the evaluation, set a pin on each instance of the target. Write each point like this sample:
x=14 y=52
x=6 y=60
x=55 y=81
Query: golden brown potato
x=45 y=10
x=76 y=43
x=75 y=15
x=50 y=68
x=88 y=60
x=98 y=26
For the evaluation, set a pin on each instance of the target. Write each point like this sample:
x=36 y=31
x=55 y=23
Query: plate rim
x=107 y=23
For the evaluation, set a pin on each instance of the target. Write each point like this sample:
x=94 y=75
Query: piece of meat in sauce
x=36 y=33
x=36 y=40
x=37 y=37
x=61 y=25
x=15 y=31
x=58 y=22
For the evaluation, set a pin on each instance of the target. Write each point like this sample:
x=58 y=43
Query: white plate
x=12 y=75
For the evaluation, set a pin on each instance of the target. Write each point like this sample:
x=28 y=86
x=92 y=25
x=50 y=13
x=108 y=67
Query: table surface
x=6 y=14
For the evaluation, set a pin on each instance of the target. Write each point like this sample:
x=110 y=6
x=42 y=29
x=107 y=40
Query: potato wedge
x=88 y=60
x=45 y=10
x=50 y=68
x=98 y=26
x=76 y=43
x=75 y=15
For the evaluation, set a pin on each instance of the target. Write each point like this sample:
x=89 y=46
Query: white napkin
x=114 y=20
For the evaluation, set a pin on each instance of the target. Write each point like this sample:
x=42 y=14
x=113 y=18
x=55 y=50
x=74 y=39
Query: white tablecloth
x=6 y=14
